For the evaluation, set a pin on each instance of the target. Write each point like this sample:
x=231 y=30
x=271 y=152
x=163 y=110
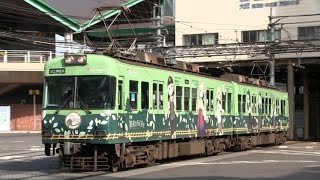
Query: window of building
x=258 y=36
x=200 y=39
x=309 y=33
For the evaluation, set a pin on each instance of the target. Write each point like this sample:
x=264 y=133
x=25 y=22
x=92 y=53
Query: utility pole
x=272 y=61
x=157 y=24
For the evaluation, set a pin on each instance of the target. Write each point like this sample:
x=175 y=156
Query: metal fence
x=24 y=56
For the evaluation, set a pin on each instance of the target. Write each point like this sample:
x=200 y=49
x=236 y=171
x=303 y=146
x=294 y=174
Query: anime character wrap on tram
x=104 y=113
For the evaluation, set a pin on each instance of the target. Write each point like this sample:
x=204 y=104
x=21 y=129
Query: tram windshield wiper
x=63 y=105
x=82 y=104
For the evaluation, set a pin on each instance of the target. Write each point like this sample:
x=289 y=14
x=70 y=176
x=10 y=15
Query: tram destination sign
x=57 y=71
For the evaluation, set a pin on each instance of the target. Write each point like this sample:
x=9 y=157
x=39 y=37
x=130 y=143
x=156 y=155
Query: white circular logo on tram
x=73 y=120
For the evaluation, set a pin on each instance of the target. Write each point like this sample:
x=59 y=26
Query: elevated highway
x=19 y=67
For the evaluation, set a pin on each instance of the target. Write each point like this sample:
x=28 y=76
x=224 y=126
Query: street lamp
x=34 y=92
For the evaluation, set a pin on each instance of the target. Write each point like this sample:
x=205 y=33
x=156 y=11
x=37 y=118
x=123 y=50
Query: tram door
x=157 y=103
x=121 y=101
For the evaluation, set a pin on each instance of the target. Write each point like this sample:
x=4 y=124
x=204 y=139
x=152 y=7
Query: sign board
x=256 y=4
x=4 y=118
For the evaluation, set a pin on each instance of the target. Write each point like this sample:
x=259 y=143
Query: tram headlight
x=72 y=59
x=100 y=133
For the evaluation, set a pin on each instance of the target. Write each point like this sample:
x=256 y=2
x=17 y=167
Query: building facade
x=292 y=22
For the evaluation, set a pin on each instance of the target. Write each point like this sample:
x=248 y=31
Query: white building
x=231 y=21
x=209 y=22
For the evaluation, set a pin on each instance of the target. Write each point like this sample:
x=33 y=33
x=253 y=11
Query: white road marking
x=11 y=157
x=296 y=147
x=17 y=141
x=313 y=166
x=177 y=164
x=34 y=146
x=35 y=149
x=240 y=162
x=20 y=158
x=291 y=152
x=309 y=147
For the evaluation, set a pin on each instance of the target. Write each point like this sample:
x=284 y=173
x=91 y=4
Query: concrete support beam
x=290 y=87
x=306 y=105
x=14 y=77
x=27 y=67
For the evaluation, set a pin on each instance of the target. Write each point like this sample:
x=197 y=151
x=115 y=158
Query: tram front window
x=89 y=92
x=97 y=92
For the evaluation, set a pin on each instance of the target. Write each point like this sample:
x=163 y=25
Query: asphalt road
x=22 y=157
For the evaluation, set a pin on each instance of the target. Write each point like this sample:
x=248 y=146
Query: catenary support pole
x=290 y=87
x=306 y=105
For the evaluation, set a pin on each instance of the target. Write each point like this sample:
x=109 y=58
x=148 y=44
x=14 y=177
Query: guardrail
x=24 y=56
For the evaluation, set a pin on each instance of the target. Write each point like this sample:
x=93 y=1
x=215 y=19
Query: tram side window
x=154 y=96
x=244 y=101
x=186 y=98
x=144 y=95
x=120 y=94
x=229 y=102
x=194 y=99
x=239 y=103
x=179 y=97
x=133 y=94
x=269 y=105
x=263 y=106
x=224 y=98
x=210 y=100
x=254 y=104
x=277 y=106
x=283 y=107
x=161 y=96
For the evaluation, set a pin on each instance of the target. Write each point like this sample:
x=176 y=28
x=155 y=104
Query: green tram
x=106 y=113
